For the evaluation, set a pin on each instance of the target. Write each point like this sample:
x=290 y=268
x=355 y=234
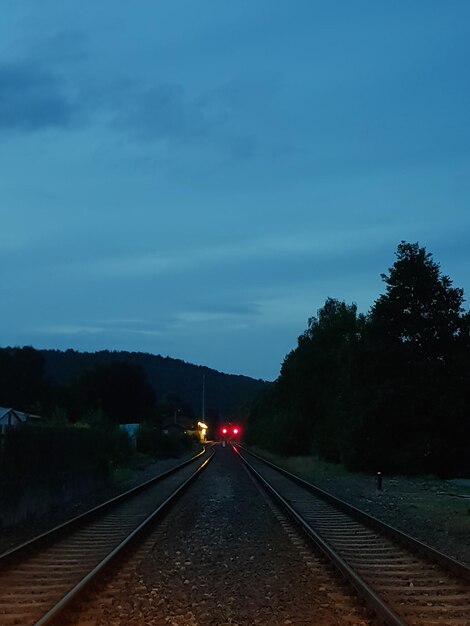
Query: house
x=131 y=430
x=10 y=418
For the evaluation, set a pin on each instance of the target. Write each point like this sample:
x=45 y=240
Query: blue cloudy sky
x=194 y=179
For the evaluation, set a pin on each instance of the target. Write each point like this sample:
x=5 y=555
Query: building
x=131 y=430
x=10 y=418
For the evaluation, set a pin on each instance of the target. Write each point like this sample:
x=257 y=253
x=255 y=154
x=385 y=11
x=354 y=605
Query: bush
x=116 y=443
x=55 y=457
x=160 y=444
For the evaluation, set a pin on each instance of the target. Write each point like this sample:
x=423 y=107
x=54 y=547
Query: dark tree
x=310 y=405
x=420 y=308
x=389 y=391
x=22 y=383
x=414 y=379
x=119 y=390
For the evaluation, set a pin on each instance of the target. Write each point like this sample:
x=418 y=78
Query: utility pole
x=203 y=396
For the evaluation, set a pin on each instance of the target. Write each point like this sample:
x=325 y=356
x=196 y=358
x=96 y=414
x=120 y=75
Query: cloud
x=229 y=311
x=265 y=252
x=242 y=309
x=70 y=329
x=218 y=118
x=102 y=328
x=207 y=321
x=164 y=111
x=63 y=47
x=32 y=98
x=52 y=82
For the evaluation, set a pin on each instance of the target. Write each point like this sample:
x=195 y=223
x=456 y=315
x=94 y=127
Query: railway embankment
x=435 y=511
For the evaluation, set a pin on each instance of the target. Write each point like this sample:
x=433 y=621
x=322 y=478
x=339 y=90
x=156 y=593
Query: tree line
x=124 y=386
x=387 y=390
x=82 y=398
x=77 y=444
x=224 y=393
x=118 y=390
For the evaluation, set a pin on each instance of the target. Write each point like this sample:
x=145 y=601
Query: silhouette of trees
x=119 y=390
x=415 y=371
x=224 y=392
x=389 y=390
x=21 y=378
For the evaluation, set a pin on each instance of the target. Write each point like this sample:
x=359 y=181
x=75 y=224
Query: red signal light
x=235 y=431
x=224 y=431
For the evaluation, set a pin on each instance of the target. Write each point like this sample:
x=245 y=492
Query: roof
x=4 y=411
x=23 y=417
x=130 y=429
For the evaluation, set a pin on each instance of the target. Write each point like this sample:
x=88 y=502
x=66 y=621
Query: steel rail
x=372 y=599
x=49 y=618
x=36 y=543
x=457 y=568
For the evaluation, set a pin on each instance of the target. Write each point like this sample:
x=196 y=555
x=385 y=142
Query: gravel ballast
x=224 y=555
x=432 y=510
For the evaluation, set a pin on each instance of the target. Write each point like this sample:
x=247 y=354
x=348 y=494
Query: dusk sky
x=194 y=179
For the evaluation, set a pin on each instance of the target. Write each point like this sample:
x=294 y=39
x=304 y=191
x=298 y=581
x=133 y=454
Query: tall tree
x=413 y=382
x=309 y=406
x=420 y=308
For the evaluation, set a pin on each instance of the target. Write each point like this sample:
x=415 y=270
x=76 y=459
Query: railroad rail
x=405 y=582
x=43 y=577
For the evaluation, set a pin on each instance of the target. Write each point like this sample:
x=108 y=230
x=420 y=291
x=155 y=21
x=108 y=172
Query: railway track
x=405 y=582
x=223 y=555
x=42 y=578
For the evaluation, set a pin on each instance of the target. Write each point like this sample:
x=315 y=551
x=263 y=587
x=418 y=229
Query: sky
x=194 y=179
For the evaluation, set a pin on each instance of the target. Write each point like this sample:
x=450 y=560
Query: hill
x=224 y=393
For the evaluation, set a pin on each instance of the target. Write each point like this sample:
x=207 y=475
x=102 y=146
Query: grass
x=122 y=475
x=305 y=465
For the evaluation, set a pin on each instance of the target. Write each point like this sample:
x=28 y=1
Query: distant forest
x=384 y=391
x=124 y=386
x=82 y=399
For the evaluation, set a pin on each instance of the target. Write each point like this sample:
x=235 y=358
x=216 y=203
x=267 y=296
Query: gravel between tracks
x=222 y=557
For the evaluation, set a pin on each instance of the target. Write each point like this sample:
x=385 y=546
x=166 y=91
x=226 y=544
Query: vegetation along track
x=404 y=581
x=41 y=578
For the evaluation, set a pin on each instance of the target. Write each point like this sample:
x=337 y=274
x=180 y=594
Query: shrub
x=55 y=457
x=160 y=444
